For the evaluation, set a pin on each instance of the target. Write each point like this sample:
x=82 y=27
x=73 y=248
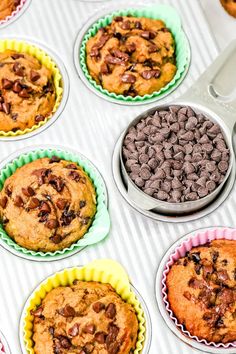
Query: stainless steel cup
x=214 y=95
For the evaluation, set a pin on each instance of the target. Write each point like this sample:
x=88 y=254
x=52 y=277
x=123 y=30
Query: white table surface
x=223 y=26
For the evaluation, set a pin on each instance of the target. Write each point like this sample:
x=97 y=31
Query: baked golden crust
x=48 y=204
x=7 y=7
x=202 y=291
x=229 y=6
x=132 y=56
x=87 y=317
x=27 y=92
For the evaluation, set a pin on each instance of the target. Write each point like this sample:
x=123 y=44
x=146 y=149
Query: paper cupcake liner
x=103 y=271
x=197 y=239
x=47 y=61
x=14 y=13
x=4 y=348
x=172 y=21
x=101 y=223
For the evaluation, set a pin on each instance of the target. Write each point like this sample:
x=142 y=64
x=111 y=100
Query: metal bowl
x=146 y=202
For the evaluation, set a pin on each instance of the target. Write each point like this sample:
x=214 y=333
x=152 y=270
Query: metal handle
x=216 y=87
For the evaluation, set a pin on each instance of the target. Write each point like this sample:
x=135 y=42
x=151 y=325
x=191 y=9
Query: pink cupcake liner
x=2 y=350
x=201 y=237
x=14 y=13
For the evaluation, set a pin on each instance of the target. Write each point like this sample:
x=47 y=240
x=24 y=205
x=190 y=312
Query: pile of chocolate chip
x=176 y=155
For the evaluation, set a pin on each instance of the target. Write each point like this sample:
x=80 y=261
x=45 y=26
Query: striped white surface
x=92 y=126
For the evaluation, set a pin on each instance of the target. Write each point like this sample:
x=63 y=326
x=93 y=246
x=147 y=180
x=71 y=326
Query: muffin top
x=132 y=56
x=48 y=204
x=27 y=92
x=7 y=7
x=202 y=286
x=229 y=6
x=87 y=317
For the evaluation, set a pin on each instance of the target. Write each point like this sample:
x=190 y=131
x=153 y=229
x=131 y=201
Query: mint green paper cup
x=183 y=55
x=101 y=222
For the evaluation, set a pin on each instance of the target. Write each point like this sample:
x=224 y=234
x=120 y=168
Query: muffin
x=87 y=317
x=7 y=7
x=48 y=204
x=201 y=290
x=132 y=56
x=27 y=92
x=229 y=6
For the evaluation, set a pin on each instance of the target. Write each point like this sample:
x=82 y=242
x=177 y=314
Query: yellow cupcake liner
x=103 y=271
x=44 y=59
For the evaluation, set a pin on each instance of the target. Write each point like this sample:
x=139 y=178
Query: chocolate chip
x=67 y=216
x=56 y=239
x=100 y=337
x=51 y=330
x=61 y=203
x=88 y=348
x=18 y=69
x=90 y=328
x=149 y=74
x=118 y=18
x=17 y=56
x=6 y=107
x=82 y=204
x=39 y=118
x=38 y=312
x=33 y=203
x=54 y=159
x=64 y=342
x=3 y=202
x=52 y=224
x=128 y=78
x=113 y=331
x=56 y=182
x=147 y=35
x=67 y=311
x=34 y=75
x=45 y=208
x=110 y=311
x=24 y=93
x=18 y=201
x=138 y=25
x=28 y=191
x=74 y=176
x=74 y=330
x=7 y=84
x=98 y=306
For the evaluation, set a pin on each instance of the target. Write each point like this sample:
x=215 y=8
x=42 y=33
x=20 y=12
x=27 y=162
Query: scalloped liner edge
x=14 y=13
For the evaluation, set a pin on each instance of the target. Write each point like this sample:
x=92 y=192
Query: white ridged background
x=92 y=125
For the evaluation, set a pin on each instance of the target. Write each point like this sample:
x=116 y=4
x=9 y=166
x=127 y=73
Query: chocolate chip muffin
x=7 y=7
x=202 y=291
x=27 y=92
x=176 y=155
x=87 y=317
x=48 y=204
x=132 y=56
x=229 y=6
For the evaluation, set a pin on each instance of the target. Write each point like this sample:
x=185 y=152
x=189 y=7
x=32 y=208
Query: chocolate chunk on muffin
x=87 y=317
x=48 y=204
x=7 y=7
x=229 y=6
x=202 y=291
x=132 y=56
x=27 y=92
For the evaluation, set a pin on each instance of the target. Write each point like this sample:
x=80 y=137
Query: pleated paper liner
x=101 y=223
x=4 y=348
x=103 y=271
x=198 y=238
x=47 y=61
x=172 y=21
x=14 y=13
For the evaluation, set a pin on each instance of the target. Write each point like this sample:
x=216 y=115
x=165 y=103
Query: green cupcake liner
x=172 y=20
x=101 y=223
